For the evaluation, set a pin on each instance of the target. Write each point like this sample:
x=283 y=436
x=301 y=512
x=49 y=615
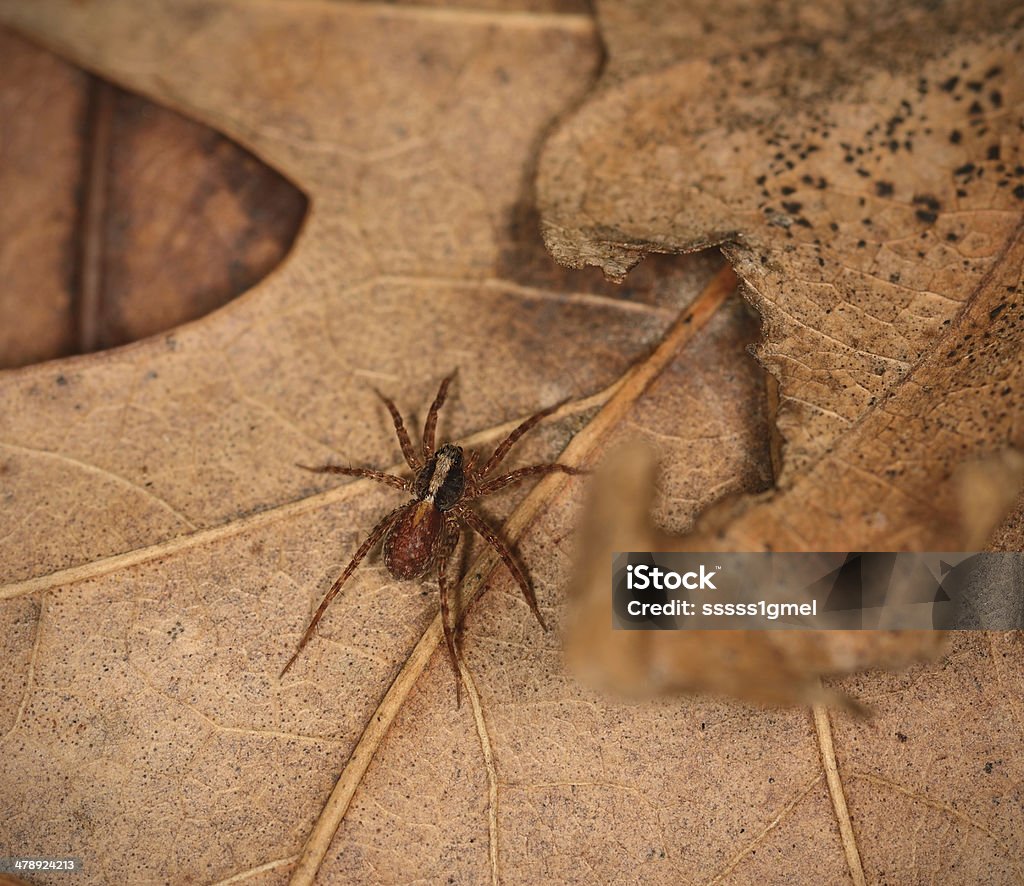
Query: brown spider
x=426 y=530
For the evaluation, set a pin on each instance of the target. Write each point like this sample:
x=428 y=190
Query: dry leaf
x=862 y=220
x=861 y=167
x=163 y=554
x=863 y=174
x=99 y=181
x=764 y=667
x=35 y=259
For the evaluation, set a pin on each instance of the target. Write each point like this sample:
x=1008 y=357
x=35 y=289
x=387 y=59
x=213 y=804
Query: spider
x=425 y=531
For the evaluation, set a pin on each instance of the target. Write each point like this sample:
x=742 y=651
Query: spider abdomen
x=411 y=546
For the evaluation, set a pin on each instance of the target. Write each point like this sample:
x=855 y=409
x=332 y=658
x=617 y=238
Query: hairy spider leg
x=472 y=490
x=494 y=540
x=451 y=540
x=431 y=422
x=511 y=439
x=403 y=434
x=370 y=474
x=516 y=476
x=376 y=534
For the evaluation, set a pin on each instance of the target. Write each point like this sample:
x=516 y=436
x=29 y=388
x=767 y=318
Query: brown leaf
x=763 y=667
x=100 y=183
x=36 y=262
x=864 y=176
x=861 y=167
x=163 y=554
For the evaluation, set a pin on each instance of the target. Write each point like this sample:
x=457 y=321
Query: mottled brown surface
x=43 y=105
x=184 y=220
x=862 y=167
x=166 y=554
x=863 y=170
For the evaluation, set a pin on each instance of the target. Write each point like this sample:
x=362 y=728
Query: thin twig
x=492 y=772
x=823 y=726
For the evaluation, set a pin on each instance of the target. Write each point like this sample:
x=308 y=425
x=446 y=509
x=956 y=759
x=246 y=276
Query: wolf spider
x=425 y=531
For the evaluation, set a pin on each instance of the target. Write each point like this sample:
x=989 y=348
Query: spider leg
x=451 y=539
x=403 y=434
x=511 y=439
x=472 y=489
x=431 y=423
x=497 y=483
x=368 y=473
x=494 y=540
x=375 y=536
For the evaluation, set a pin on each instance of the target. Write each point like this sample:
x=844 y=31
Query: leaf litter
x=861 y=168
x=205 y=769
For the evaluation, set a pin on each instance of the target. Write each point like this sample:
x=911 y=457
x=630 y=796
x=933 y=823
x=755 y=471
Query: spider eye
x=452 y=452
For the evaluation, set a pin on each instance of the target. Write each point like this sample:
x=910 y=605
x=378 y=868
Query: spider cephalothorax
x=423 y=532
x=442 y=481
